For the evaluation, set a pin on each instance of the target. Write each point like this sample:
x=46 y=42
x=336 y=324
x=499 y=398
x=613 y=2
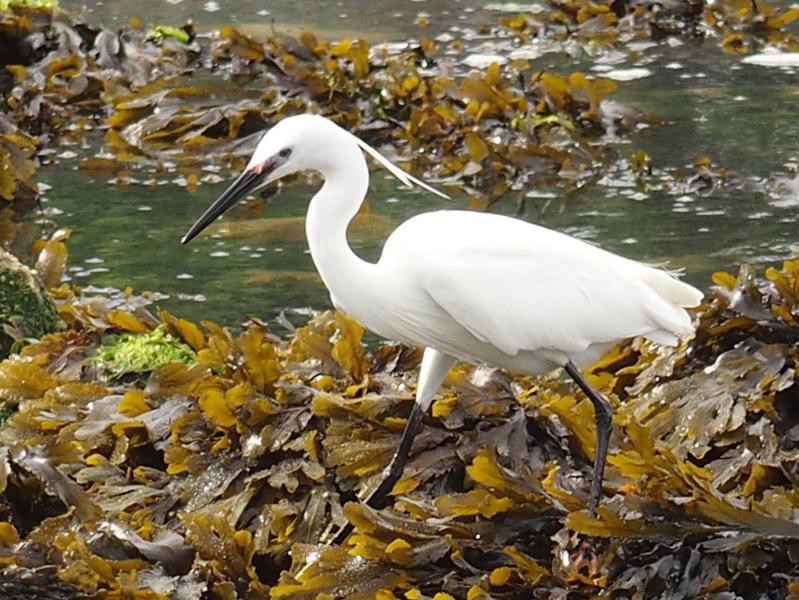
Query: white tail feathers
x=662 y=337
x=671 y=289
x=666 y=306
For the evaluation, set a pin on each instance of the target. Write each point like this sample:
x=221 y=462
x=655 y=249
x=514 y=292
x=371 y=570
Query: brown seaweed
x=228 y=474
x=219 y=479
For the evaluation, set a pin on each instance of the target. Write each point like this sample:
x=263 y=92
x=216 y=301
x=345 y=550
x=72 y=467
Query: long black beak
x=244 y=184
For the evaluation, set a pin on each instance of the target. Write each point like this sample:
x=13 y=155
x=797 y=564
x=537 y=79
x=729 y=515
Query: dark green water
x=742 y=116
x=373 y=20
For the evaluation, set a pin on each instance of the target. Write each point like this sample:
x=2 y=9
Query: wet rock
x=23 y=584
x=26 y=309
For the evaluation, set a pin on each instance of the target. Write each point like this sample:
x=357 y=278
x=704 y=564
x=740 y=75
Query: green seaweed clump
x=26 y=309
x=184 y=35
x=141 y=352
x=48 y=4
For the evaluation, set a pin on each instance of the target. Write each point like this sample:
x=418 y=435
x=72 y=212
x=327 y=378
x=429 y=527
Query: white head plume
x=403 y=176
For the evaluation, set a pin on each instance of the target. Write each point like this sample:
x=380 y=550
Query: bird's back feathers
x=523 y=288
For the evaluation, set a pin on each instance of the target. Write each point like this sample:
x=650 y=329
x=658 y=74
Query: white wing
x=523 y=287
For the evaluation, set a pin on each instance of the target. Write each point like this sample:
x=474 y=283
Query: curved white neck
x=329 y=213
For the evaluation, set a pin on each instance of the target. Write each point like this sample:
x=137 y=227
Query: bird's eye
x=284 y=153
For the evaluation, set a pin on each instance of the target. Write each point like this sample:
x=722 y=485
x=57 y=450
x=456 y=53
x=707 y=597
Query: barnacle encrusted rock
x=26 y=309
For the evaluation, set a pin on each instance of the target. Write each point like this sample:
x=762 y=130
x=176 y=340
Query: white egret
x=464 y=285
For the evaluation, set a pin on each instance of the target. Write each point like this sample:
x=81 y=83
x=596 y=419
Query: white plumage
x=524 y=290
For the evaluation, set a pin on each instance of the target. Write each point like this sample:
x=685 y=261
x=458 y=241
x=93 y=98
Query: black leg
x=604 y=420
x=393 y=471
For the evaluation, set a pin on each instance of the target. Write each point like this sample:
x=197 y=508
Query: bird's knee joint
x=604 y=413
x=607 y=411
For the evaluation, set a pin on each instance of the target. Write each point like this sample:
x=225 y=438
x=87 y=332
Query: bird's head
x=294 y=144
x=298 y=143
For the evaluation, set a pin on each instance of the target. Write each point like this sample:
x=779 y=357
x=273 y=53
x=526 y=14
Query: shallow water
x=374 y=21
x=256 y=261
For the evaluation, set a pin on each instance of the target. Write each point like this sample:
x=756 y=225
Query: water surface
x=256 y=262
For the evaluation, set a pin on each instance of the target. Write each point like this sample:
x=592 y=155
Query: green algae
x=141 y=352
x=159 y=33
